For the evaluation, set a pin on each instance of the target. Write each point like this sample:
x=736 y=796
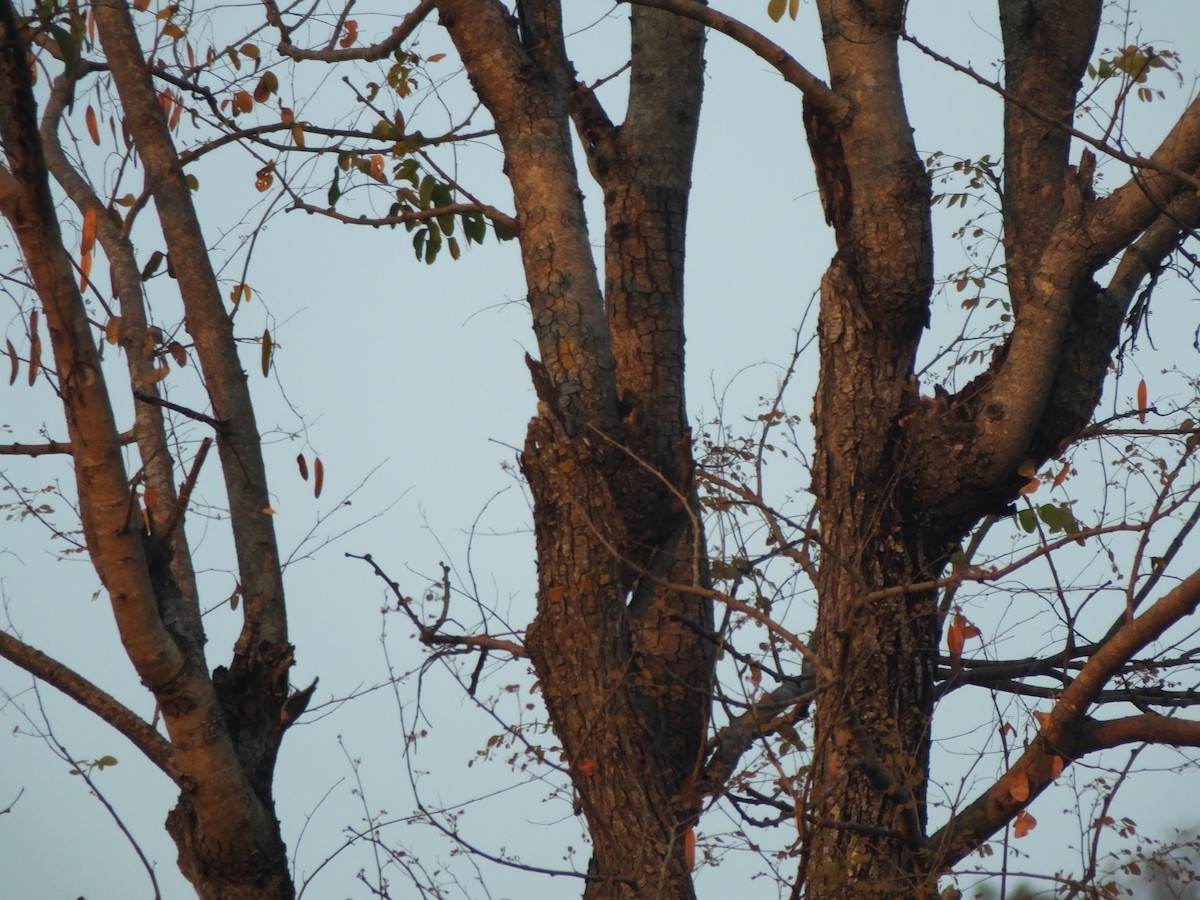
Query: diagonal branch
x=1067 y=733
x=816 y=90
x=153 y=745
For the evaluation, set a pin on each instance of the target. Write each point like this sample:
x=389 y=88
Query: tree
x=625 y=641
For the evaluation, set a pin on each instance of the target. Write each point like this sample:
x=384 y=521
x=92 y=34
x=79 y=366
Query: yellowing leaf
x=173 y=31
x=158 y=374
x=112 y=330
x=268 y=347
x=93 y=127
x=775 y=9
x=318 y=476
x=267 y=85
x=1024 y=824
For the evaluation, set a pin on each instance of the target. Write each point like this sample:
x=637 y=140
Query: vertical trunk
x=871 y=749
x=622 y=649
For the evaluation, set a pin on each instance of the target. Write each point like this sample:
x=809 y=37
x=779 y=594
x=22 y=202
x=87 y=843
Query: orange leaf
x=689 y=848
x=85 y=269
x=93 y=126
x=150 y=497
x=1018 y=787
x=1141 y=401
x=437 y=57
x=956 y=635
x=88 y=238
x=587 y=767
x=377 y=167
x=1025 y=823
x=302 y=463
x=1030 y=486
x=1062 y=475
x=318 y=476
x=955 y=639
x=1056 y=766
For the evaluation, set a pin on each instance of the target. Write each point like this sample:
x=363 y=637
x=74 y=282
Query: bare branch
x=762 y=46
x=153 y=745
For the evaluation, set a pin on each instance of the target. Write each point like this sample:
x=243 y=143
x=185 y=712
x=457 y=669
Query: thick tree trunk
x=624 y=652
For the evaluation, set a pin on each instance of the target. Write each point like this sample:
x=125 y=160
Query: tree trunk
x=623 y=651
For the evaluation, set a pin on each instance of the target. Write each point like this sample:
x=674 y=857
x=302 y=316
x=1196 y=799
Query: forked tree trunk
x=624 y=661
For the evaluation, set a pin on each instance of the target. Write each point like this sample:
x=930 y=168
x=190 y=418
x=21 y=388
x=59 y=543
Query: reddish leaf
x=1142 y=401
x=88 y=238
x=93 y=127
x=351 y=34
x=302 y=464
x=318 y=476
x=587 y=767
x=1062 y=475
x=956 y=635
x=689 y=848
x=1024 y=824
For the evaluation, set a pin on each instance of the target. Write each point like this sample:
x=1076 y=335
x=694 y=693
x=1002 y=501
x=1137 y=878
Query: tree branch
x=369 y=53
x=817 y=91
x=1066 y=733
x=153 y=745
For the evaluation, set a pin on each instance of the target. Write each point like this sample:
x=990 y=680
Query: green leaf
x=427 y=185
x=1028 y=520
x=106 y=761
x=503 y=232
x=335 y=188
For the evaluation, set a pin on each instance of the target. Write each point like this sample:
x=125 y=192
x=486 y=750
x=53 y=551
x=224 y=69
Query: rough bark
x=899 y=481
x=624 y=660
